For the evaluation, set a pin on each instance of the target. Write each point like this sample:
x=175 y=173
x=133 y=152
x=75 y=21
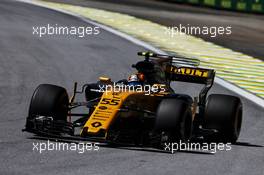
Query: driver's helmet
x=135 y=79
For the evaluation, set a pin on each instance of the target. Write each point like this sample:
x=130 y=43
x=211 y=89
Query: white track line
x=253 y=98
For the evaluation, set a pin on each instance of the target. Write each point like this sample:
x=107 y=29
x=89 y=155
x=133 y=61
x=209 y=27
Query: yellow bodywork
x=189 y=71
x=110 y=104
x=106 y=111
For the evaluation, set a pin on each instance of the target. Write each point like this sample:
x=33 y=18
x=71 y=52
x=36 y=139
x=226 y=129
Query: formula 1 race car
x=143 y=110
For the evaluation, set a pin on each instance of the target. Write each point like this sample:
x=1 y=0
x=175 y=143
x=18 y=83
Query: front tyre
x=224 y=113
x=48 y=100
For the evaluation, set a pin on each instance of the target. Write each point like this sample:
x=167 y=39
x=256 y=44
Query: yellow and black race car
x=143 y=110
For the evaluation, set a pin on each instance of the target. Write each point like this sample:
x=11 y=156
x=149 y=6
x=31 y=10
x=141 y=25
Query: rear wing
x=185 y=70
x=181 y=68
x=190 y=74
x=180 y=61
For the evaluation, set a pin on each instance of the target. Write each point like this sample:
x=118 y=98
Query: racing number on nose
x=109 y=101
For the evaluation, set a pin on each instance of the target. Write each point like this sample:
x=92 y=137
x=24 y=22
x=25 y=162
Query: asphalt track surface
x=247 y=29
x=27 y=60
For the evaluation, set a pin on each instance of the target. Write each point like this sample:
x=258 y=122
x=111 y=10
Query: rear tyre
x=223 y=113
x=49 y=100
x=174 y=117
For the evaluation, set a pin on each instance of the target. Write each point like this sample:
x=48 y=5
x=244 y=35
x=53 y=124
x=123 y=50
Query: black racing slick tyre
x=223 y=113
x=49 y=100
x=175 y=118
